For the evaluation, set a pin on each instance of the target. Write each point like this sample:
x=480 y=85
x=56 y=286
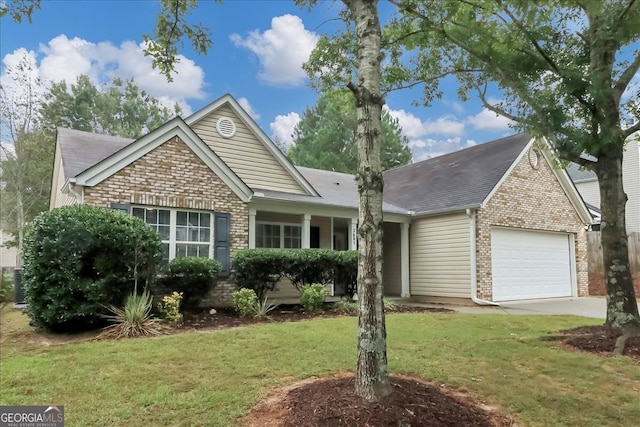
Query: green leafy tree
x=120 y=108
x=31 y=112
x=372 y=378
x=361 y=16
x=25 y=153
x=353 y=58
x=565 y=70
x=325 y=137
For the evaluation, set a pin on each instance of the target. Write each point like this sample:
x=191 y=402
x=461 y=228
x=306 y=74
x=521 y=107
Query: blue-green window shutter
x=122 y=207
x=222 y=241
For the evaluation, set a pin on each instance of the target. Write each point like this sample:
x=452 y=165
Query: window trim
x=173 y=225
x=281 y=225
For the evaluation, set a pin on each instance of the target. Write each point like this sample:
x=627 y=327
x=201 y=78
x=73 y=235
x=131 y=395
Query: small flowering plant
x=169 y=308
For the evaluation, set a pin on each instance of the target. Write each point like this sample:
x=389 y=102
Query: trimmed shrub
x=169 y=308
x=313 y=296
x=346 y=272
x=261 y=269
x=244 y=301
x=80 y=259
x=307 y=266
x=193 y=277
x=258 y=269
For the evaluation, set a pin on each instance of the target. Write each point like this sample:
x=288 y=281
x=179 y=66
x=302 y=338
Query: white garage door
x=530 y=264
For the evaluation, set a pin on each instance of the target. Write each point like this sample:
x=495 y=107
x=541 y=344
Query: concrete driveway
x=576 y=306
x=585 y=307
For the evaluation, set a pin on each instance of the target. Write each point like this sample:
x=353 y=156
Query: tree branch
x=631 y=130
x=625 y=78
x=626 y=10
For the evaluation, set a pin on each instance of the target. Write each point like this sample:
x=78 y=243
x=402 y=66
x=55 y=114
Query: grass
x=213 y=378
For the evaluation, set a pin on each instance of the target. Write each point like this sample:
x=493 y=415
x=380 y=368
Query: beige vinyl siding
x=245 y=154
x=277 y=217
x=287 y=290
x=326 y=234
x=631 y=178
x=58 y=198
x=63 y=199
x=8 y=255
x=590 y=192
x=391 y=269
x=440 y=256
x=284 y=290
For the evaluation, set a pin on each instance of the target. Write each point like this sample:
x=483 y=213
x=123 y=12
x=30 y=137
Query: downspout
x=474 y=271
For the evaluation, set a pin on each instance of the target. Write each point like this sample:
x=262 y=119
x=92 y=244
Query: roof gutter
x=474 y=271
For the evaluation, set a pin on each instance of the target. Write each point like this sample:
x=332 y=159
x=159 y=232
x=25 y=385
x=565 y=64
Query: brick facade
x=173 y=176
x=529 y=199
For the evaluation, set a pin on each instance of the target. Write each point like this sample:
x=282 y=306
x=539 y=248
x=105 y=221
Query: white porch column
x=353 y=234
x=252 y=228
x=332 y=234
x=405 y=291
x=306 y=231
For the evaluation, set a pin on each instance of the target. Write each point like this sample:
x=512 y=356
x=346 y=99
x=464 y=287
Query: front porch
x=288 y=229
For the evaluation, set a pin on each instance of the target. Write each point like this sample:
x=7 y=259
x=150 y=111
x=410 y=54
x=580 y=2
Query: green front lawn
x=213 y=378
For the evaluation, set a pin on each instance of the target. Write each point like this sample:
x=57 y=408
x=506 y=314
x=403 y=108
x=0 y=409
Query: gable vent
x=225 y=127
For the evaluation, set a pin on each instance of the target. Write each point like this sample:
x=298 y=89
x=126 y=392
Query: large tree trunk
x=372 y=376
x=622 y=306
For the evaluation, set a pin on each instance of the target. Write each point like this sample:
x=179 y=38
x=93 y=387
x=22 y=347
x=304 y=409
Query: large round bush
x=80 y=259
x=192 y=276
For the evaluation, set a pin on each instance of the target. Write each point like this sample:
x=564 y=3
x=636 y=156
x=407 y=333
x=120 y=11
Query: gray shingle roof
x=455 y=181
x=580 y=175
x=335 y=188
x=81 y=150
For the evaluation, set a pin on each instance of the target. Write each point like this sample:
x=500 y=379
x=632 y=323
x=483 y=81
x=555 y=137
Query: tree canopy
x=325 y=137
x=31 y=112
x=120 y=108
x=565 y=73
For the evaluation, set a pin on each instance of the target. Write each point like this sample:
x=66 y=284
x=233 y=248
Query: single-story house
x=493 y=222
x=586 y=182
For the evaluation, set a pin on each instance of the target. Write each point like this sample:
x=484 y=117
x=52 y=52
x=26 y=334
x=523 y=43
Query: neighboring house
x=492 y=222
x=587 y=183
x=8 y=255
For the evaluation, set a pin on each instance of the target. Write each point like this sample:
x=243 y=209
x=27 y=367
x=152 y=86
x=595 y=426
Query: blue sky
x=259 y=46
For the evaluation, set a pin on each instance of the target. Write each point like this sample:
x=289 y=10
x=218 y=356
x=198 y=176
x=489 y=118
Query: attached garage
x=531 y=264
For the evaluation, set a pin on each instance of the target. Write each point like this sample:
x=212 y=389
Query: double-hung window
x=183 y=233
x=284 y=236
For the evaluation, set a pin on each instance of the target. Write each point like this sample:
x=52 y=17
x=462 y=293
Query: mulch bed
x=598 y=339
x=412 y=403
x=228 y=318
x=332 y=402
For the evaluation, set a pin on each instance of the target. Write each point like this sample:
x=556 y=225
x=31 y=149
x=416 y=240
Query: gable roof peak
x=455 y=181
x=258 y=132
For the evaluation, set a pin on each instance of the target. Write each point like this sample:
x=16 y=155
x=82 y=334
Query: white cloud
x=489 y=121
x=281 y=50
x=455 y=106
x=244 y=103
x=65 y=59
x=428 y=148
x=414 y=127
x=282 y=128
